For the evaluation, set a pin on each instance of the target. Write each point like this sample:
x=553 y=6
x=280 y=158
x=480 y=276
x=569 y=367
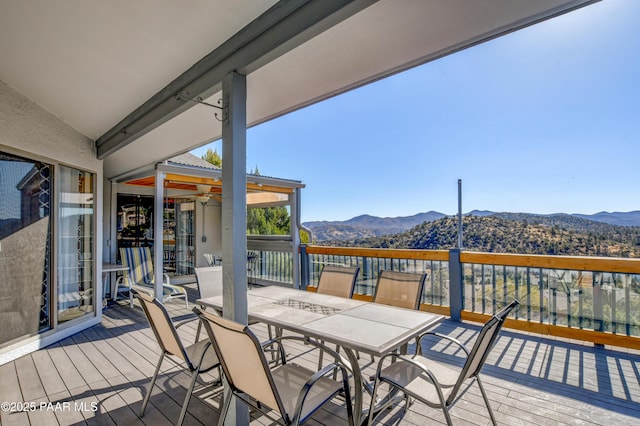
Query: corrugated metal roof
x=188 y=159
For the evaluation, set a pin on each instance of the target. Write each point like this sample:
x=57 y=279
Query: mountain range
x=366 y=226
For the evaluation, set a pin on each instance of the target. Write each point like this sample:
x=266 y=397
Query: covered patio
x=191 y=213
x=109 y=91
x=105 y=370
x=118 y=88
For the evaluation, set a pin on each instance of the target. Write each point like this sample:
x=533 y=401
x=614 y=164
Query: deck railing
x=435 y=263
x=588 y=298
x=270 y=260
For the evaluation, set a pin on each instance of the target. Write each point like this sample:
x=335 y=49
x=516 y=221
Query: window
x=75 y=250
x=25 y=247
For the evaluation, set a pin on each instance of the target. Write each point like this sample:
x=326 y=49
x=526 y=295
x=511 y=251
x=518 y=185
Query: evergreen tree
x=212 y=157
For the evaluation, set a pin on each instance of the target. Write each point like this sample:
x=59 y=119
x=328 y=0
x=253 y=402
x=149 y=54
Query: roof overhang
x=188 y=183
x=125 y=74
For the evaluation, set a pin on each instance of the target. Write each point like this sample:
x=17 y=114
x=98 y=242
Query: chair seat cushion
x=194 y=352
x=289 y=379
x=416 y=382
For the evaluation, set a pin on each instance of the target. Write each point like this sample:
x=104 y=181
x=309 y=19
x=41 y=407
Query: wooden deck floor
x=100 y=376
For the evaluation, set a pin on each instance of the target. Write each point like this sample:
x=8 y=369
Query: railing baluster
x=627 y=305
x=528 y=272
x=494 y=288
x=541 y=295
x=614 y=320
x=484 y=308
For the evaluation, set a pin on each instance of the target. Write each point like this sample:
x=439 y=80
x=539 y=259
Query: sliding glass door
x=75 y=249
x=46 y=246
x=25 y=247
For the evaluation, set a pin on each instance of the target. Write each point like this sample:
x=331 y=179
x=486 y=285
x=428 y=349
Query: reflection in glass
x=75 y=250
x=25 y=234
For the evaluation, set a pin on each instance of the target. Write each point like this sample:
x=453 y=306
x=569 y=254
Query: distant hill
x=615 y=218
x=515 y=233
x=365 y=226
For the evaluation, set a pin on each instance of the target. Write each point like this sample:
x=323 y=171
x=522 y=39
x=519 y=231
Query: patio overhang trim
x=283 y=27
x=262 y=191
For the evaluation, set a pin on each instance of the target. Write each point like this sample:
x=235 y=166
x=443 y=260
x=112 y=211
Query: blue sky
x=544 y=120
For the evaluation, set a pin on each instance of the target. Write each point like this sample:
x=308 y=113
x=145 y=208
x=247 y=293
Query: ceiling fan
x=202 y=194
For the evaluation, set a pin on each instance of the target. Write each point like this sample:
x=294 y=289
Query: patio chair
x=437 y=384
x=293 y=391
x=140 y=264
x=197 y=358
x=400 y=289
x=211 y=259
x=338 y=280
x=209 y=281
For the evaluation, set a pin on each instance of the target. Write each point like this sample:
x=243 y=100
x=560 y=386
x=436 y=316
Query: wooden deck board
x=530 y=380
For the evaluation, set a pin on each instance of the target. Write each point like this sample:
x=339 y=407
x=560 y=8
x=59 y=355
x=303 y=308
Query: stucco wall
x=26 y=126
x=27 y=129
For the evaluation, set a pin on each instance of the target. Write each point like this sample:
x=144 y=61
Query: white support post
x=157 y=234
x=234 y=197
x=234 y=213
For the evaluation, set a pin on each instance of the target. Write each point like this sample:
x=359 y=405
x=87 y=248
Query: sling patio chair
x=209 y=283
x=338 y=280
x=140 y=264
x=197 y=358
x=293 y=391
x=436 y=384
x=400 y=289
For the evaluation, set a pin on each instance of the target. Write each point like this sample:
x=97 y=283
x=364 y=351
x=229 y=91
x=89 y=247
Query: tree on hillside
x=260 y=221
x=212 y=157
x=268 y=220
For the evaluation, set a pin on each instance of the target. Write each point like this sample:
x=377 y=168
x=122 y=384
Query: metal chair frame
x=266 y=388
x=415 y=370
x=197 y=358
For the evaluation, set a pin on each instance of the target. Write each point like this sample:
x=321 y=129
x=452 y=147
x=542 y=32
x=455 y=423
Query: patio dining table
x=354 y=325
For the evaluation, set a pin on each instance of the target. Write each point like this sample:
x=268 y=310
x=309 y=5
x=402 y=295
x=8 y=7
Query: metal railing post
x=455 y=284
x=304 y=267
x=598 y=302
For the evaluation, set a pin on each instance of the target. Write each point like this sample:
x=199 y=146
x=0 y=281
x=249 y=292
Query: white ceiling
x=92 y=62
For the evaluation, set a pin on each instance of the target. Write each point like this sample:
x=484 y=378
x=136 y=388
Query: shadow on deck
x=100 y=376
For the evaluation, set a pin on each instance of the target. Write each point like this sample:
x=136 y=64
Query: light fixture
x=203 y=189
x=204 y=199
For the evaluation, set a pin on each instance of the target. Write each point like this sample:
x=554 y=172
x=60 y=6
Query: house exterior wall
x=29 y=130
x=212 y=230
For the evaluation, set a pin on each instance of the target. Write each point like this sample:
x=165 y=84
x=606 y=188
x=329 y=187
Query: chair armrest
x=183 y=322
x=429 y=374
x=166 y=278
x=441 y=336
x=123 y=280
x=281 y=352
x=304 y=391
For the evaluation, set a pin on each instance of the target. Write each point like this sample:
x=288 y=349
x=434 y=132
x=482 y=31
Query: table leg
x=359 y=384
